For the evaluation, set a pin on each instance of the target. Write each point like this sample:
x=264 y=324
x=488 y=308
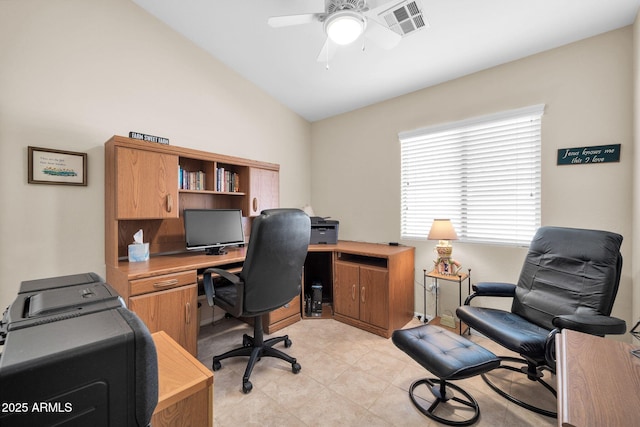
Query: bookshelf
x=145 y=189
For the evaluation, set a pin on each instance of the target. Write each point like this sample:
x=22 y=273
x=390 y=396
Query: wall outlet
x=448 y=321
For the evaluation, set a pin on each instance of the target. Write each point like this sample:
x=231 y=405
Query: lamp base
x=444 y=250
x=447 y=266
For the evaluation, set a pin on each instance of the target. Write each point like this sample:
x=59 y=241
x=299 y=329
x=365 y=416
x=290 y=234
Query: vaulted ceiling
x=460 y=37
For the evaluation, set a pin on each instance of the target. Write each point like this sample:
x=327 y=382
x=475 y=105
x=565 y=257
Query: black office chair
x=270 y=278
x=569 y=279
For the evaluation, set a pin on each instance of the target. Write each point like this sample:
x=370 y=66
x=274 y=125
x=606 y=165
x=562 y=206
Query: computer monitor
x=212 y=230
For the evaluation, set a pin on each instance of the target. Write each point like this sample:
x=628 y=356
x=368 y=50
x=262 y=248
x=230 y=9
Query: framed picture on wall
x=49 y=166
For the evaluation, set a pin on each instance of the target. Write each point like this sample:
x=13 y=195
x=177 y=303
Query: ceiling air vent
x=404 y=18
x=338 y=5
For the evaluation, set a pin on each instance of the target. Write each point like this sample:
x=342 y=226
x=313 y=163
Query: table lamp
x=442 y=230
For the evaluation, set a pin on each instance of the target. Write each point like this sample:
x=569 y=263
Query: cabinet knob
x=188 y=313
x=255 y=204
x=362 y=295
x=353 y=292
x=169 y=203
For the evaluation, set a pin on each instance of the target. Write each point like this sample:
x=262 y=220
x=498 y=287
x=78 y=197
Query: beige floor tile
x=396 y=409
x=359 y=386
x=349 y=377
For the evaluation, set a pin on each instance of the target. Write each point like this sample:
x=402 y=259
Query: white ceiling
x=464 y=36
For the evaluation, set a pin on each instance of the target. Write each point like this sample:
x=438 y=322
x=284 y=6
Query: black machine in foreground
x=74 y=355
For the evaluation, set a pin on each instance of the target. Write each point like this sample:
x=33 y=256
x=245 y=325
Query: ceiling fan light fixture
x=344 y=27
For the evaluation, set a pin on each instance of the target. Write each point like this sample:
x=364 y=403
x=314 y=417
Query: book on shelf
x=227 y=181
x=219 y=178
x=191 y=180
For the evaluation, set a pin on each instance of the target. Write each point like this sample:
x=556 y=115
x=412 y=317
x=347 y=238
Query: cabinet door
x=374 y=296
x=146 y=184
x=174 y=311
x=264 y=190
x=346 y=289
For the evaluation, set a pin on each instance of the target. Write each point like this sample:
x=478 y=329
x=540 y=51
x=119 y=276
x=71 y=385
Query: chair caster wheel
x=287 y=343
x=246 y=341
x=295 y=367
x=217 y=365
x=247 y=387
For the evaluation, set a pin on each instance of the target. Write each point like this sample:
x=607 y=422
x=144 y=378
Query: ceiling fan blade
x=327 y=51
x=381 y=35
x=288 y=20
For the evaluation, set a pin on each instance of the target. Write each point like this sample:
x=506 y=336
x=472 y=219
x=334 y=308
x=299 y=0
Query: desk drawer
x=288 y=310
x=159 y=283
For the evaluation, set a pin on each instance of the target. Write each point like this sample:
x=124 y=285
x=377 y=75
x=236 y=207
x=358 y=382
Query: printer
x=323 y=231
x=57 y=298
x=75 y=355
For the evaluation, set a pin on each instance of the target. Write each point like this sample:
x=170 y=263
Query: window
x=482 y=173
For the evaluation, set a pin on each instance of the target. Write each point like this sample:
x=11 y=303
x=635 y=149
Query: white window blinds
x=482 y=173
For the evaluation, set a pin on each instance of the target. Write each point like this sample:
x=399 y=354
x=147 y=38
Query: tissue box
x=138 y=252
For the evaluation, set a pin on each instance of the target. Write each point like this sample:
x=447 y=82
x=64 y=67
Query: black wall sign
x=149 y=138
x=588 y=155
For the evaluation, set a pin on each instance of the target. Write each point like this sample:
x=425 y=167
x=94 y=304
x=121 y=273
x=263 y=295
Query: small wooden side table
x=459 y=278
x=185 y=387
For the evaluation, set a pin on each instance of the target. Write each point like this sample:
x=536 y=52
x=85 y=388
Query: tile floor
x=349 y=377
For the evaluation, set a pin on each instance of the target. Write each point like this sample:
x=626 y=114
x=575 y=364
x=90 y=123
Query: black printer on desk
x=323 y=231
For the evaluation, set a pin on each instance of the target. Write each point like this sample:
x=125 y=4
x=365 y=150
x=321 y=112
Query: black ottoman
x=449 y=357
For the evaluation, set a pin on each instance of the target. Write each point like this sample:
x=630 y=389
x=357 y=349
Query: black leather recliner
x=271 y=277
x=569 y=279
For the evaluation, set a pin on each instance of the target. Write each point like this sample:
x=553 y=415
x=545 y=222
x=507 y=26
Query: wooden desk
x=167 y=264
x=598 y=381
x=371 y=285
x=163 y=291
x=185 y=387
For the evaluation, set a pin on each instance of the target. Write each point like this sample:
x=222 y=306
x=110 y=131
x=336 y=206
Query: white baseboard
x=421 y=316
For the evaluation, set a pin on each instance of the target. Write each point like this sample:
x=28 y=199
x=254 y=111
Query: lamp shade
x=344 y=27
x=442 y=229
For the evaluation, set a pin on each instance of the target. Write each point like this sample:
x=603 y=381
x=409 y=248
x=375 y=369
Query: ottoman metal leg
x=440 y=390
x=449 y=357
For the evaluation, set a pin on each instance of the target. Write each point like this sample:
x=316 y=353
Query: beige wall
x=75 y=72
x=587 y=89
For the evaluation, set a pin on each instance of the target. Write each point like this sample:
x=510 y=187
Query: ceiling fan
x=344 y=21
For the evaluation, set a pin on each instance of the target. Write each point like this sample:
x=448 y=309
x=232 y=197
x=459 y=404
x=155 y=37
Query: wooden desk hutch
x=142 y=192
x=371 y=285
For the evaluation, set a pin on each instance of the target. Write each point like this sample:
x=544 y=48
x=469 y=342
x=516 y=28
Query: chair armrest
x=491 y=289
x=593 y=324
x=209 y=289
x=494 y=289
x=233 y=278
